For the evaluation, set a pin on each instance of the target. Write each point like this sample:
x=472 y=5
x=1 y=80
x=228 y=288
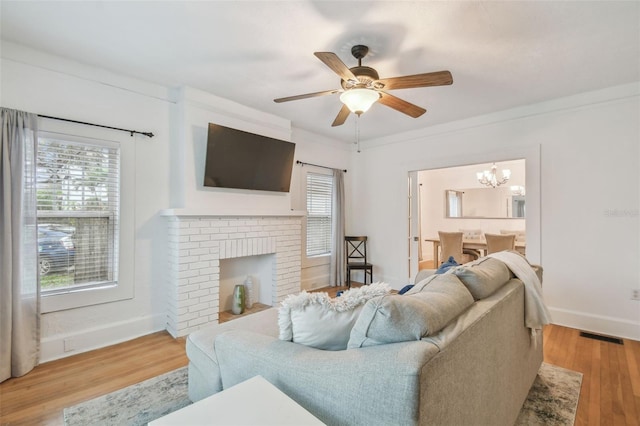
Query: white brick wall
x=196 y=245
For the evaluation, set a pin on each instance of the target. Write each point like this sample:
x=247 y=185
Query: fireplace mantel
x=194 y=212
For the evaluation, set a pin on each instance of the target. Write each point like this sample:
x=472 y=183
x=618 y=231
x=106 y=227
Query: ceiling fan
x=362 y=87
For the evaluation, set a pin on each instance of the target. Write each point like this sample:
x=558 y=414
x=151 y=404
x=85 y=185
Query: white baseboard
x=64 y=345
x=596 y=323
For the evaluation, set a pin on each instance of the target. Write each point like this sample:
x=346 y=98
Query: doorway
x=452 y=199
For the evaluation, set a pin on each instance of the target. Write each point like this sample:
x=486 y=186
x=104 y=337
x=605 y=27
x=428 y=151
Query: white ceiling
x=502 y=54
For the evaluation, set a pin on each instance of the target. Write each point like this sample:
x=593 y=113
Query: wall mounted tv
x=238 y=159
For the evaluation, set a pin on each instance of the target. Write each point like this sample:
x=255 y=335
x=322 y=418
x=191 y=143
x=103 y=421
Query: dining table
x=478 y=244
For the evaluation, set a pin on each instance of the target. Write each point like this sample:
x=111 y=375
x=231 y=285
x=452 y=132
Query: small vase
x=248 y=292
x=238 y=300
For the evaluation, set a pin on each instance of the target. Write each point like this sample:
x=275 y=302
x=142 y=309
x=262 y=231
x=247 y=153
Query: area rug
x=134 y=405
x=553 y=400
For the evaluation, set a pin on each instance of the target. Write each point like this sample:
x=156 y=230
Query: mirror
x=497 y=203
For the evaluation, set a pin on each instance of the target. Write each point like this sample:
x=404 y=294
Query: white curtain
x=337 y=230
x=19 y=286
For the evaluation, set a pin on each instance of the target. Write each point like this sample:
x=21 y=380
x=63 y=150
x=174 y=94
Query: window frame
x=320 y=259
x=123 y=287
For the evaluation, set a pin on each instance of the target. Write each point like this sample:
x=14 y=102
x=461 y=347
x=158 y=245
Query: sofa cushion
x=316 y=320
x=483 y=276
x=396 y=318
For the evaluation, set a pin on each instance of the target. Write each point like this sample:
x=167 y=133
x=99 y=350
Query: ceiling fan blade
x=305 y=96
x=400 y=105
x=438 y=78
x=341 y=117
x=331 y=60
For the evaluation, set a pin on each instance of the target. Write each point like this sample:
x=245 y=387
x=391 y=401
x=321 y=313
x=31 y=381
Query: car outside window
x=78 y=188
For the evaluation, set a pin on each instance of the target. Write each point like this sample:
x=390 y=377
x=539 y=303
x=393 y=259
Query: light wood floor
x=610 y=389
x=610 y=393
x=39 y=397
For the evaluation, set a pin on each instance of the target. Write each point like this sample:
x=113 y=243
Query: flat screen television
x=238 y=159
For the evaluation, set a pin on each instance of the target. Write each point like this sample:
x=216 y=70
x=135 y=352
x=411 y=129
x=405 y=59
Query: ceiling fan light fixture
x=359 y=100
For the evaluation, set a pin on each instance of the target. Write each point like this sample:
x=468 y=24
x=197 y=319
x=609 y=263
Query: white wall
x=165 y=175
x=582 y=159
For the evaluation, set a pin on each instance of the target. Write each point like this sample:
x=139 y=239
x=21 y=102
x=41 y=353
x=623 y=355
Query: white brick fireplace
x=198 y=242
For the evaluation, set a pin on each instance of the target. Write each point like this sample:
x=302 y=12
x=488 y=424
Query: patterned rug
x=553 y=400
x=134 y=405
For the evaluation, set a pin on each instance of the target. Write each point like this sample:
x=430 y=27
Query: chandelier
x=517 y=190
x=490 y=178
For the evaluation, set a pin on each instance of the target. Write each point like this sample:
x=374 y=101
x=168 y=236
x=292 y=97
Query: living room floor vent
x=603 y=338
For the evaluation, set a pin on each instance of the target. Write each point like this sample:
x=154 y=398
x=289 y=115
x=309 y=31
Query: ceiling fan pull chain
x=357 y=142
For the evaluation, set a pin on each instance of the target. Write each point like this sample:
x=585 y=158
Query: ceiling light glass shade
x=359 y=100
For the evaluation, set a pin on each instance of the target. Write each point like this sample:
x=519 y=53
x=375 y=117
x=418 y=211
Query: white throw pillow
x=316 y=320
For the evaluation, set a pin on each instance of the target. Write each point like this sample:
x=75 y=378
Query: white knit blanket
x=536 y=313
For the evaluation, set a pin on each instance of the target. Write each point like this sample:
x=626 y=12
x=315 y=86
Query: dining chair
x=521 y=235
x=471 y=234
x=451 y=245
x=356 y=254
x=500 y=242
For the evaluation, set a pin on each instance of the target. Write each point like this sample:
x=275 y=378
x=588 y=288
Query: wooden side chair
x=356 y=254
x=498 y=242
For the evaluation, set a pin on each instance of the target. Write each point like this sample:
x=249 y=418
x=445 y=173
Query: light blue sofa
x=478 y=369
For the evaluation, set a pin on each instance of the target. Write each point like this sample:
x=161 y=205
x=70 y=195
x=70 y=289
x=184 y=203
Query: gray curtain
x=19 y=287
x=337 y=230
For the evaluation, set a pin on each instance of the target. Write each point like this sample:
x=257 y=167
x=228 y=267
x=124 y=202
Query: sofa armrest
x=373 y=385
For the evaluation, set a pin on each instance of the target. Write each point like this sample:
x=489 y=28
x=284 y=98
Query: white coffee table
x=252 y=402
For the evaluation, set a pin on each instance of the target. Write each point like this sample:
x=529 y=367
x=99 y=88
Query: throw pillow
x=316 y=320
x=447 y=265
x=483 y=277
x=393 y=318
x=405 y=289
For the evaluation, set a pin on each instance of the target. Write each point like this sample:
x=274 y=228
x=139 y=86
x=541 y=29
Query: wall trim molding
x=596 y=323
x=28 y=56
x=580 y=101
x=53 y=347
x=205 y=101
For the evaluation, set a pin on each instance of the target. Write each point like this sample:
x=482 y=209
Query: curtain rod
x=131 y=132
x=316 y=165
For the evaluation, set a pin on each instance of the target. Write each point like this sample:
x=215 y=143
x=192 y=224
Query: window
x=319 y=194
x=78 y=193
x=454 y=203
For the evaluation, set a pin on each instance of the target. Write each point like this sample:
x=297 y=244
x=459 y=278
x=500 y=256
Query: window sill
x=53 y=302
